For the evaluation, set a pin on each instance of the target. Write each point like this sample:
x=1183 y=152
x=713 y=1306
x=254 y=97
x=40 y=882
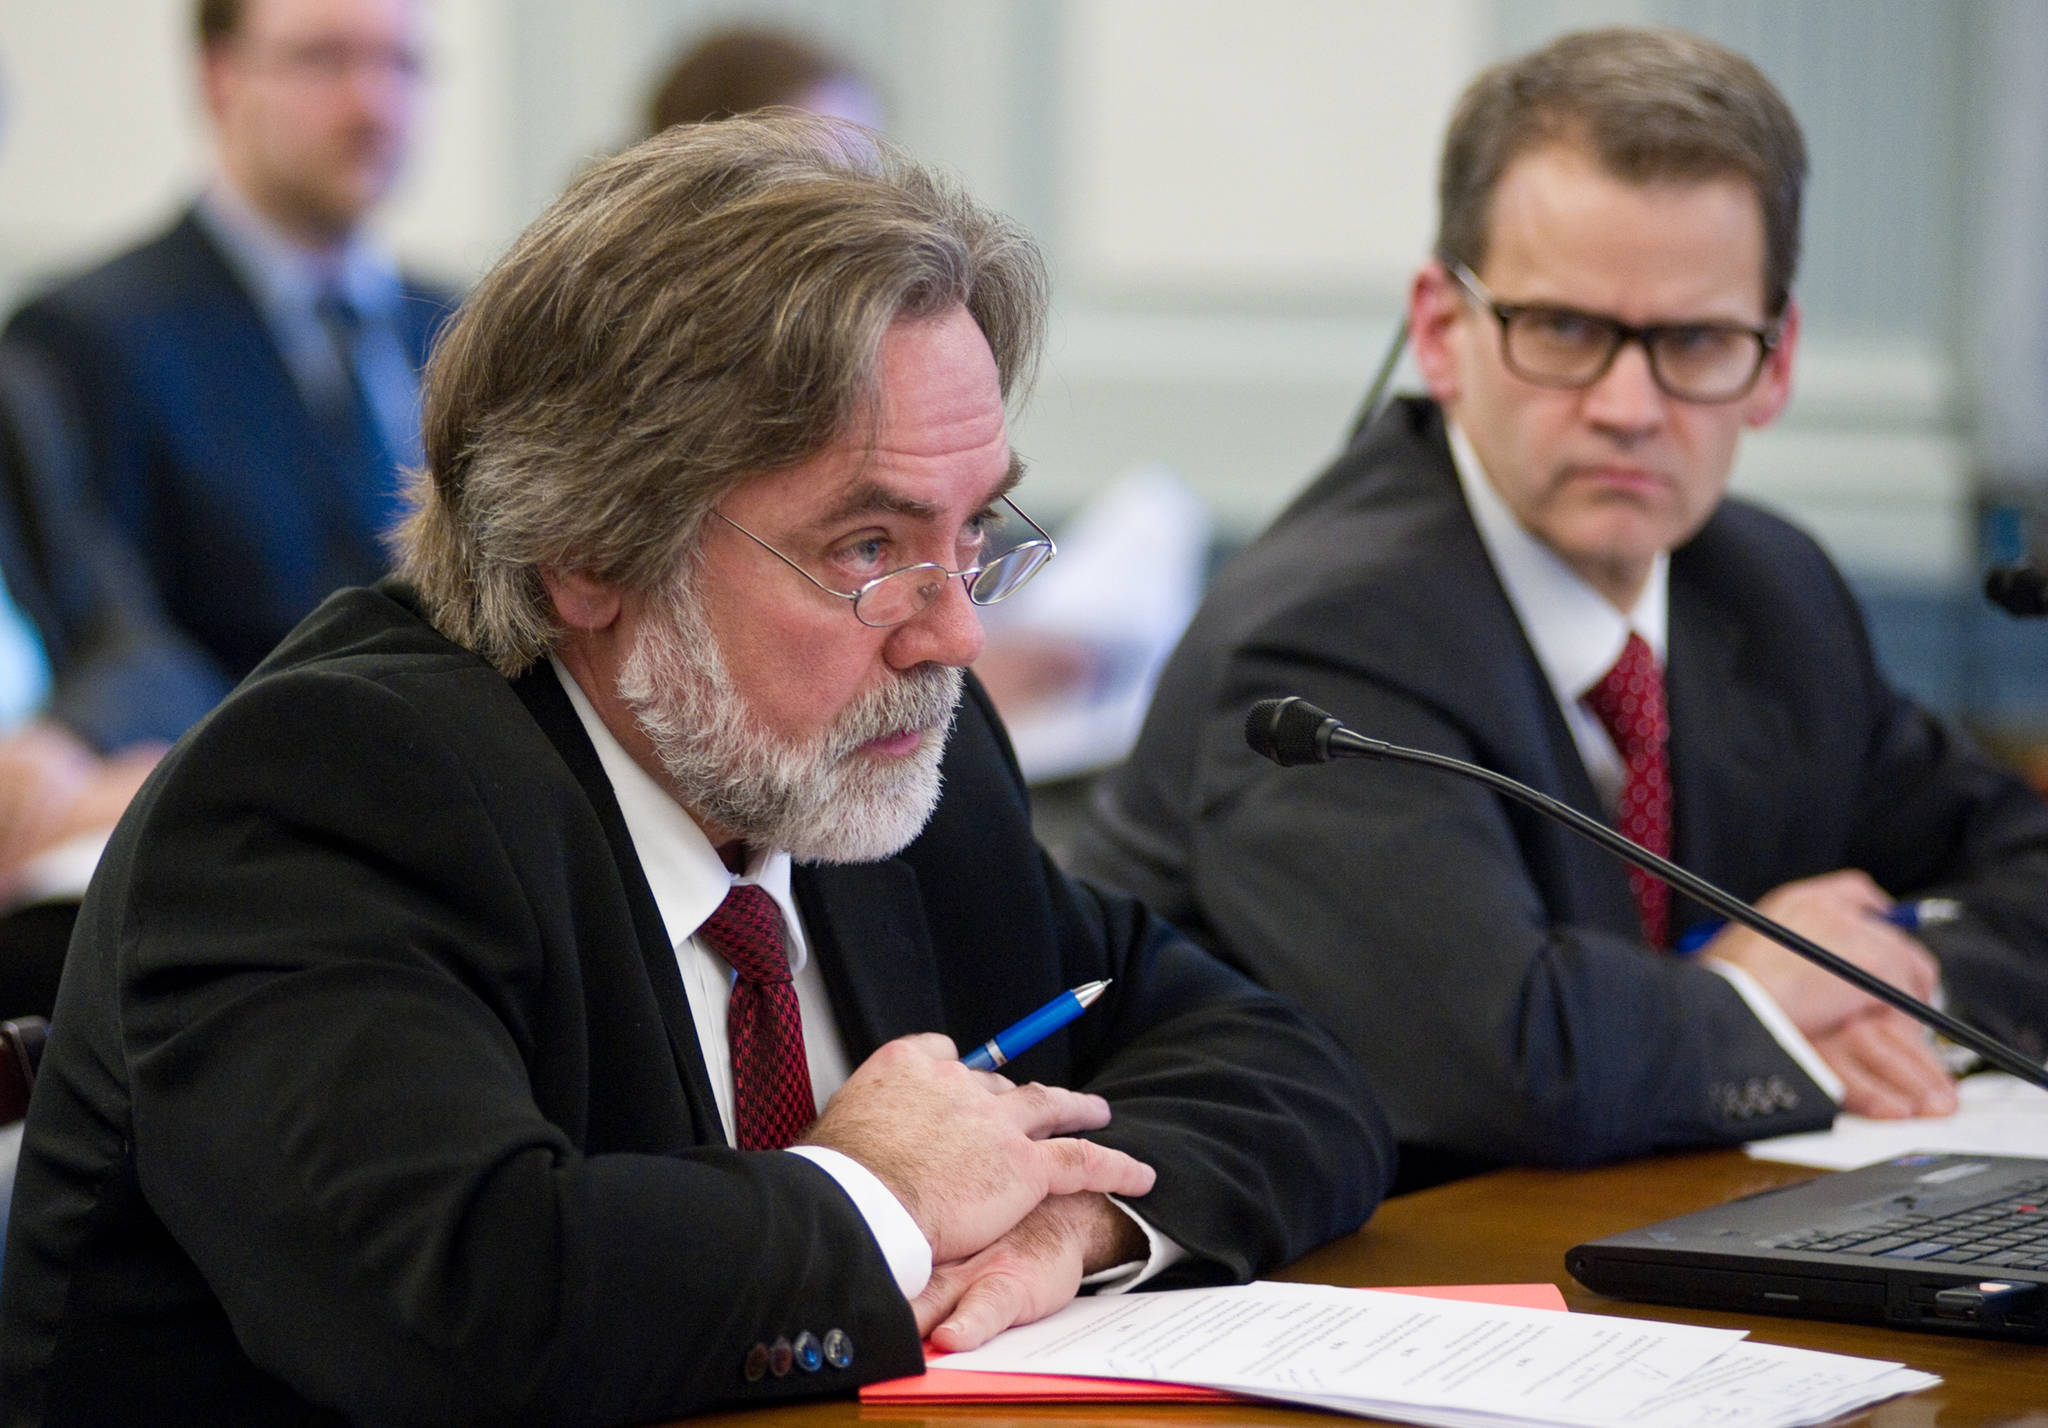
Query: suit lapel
x=1723 y=733
x=866 y=927
x=544 y=698
x=1513 y=720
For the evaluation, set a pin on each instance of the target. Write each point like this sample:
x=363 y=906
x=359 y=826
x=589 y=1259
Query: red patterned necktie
x=771 y=1077
x=1629 y=700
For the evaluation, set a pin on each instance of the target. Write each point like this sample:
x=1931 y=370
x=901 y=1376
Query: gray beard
x=820 y=799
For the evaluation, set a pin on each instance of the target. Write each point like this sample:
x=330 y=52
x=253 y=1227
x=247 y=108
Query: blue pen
x=1014 y=1041
x=1911 y=916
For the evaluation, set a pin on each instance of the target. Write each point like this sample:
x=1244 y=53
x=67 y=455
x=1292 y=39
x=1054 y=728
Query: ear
x=1773 y=387
x=1434 y=310
x=581 y=600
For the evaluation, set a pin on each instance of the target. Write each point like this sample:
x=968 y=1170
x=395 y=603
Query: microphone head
x=2018 y=589
x=1288 y=731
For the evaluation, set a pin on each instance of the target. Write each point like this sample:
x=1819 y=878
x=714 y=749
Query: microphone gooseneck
x=1293 y=731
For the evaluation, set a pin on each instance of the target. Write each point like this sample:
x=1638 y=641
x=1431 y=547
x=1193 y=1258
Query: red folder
x=939 y=1386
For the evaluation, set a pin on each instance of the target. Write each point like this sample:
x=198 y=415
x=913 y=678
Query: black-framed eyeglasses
x=1563 y=347
x=897 y=596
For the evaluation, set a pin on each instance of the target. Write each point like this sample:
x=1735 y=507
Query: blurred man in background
x=94 y=683
x=250 y=377
x=737 y=69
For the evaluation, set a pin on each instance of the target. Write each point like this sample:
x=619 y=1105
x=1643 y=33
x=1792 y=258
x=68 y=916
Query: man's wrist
x=1765 y=1008
x=903 y=1245
x=1159 y=1255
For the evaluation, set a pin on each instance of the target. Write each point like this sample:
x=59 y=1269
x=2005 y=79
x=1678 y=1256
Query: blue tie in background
x=372 y=418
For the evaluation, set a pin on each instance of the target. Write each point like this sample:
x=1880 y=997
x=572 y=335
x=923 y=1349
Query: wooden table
x=1513 y=1227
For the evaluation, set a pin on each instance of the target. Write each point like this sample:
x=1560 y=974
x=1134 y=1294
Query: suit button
x=809 y=1356
x=780 y=1358
x=756 y=1364
x=838 y=1349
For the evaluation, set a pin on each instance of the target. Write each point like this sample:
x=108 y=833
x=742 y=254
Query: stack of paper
x=1463 y=1365
x=942 y=1387
x=1999 y=1115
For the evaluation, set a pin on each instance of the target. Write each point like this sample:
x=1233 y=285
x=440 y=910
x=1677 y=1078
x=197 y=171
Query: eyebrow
x=867 y=497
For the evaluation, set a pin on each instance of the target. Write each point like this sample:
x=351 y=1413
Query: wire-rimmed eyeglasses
x=1563 y=347
x=900 y=594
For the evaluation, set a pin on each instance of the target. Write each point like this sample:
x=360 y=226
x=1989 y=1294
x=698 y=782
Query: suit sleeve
x=349 y=979
x=1267 y=1139
x=1405 y=908
x=1937 y=818
x=70 y=340
x=123 y=672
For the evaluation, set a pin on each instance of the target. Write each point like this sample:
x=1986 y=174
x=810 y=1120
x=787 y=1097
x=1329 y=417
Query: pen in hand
x=1013 y=1041
x=1909 y=916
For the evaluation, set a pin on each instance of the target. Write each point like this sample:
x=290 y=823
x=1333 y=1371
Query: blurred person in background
x=249 y=378
x=94 y=683
x=740 y=68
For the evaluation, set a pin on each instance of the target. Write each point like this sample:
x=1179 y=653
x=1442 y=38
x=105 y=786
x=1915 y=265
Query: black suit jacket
x=121 y=674
x=374 y=1091
x=245 y=513
x=1484 y=963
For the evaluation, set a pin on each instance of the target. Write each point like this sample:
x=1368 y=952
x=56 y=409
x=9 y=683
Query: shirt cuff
x=903 y=1245
x=1766 y=1009
x=1161 y=1254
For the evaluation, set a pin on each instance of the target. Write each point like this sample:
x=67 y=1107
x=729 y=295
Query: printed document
x=1458 y=1364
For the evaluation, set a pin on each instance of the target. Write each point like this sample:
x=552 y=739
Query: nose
x=947 y=631
x=382 y=82
x=1626 y=399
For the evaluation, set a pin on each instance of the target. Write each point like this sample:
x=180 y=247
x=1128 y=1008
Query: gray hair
x=703 y=308
x=1649 y=105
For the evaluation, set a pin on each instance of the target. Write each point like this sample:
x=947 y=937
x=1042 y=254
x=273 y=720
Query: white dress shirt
x=689 y=880
x=1577 y=636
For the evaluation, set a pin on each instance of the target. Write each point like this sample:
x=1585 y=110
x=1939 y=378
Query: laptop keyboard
x=2008 y=1233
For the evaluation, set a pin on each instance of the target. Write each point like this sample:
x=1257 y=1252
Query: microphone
x=2017 y=589
x=1293 y=731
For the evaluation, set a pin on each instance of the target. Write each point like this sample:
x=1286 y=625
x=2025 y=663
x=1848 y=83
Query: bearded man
x=443 y=1034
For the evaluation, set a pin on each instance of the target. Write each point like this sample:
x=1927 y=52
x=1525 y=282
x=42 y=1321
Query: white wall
x=1212 y=148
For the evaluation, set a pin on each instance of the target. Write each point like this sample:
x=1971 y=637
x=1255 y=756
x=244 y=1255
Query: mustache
x=922 y=698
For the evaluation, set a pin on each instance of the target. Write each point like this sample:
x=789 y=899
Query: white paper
x=1999 y=1115
x=1750 y=1385
x=1297 y=1341
x=1754 y=1385
x=1444 y=1363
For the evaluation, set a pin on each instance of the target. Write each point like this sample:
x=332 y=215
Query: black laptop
x=1949 y=1243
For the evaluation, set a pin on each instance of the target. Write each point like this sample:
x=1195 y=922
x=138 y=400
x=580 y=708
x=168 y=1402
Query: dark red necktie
x=771 y=1078
x=1629 y=700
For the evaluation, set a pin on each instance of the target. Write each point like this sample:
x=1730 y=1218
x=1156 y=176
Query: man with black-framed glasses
x=1538 y=569
x=537 y=994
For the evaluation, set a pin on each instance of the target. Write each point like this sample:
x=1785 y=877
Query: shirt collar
x=687 y=877
x=1576 y=633
x=286 y=278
